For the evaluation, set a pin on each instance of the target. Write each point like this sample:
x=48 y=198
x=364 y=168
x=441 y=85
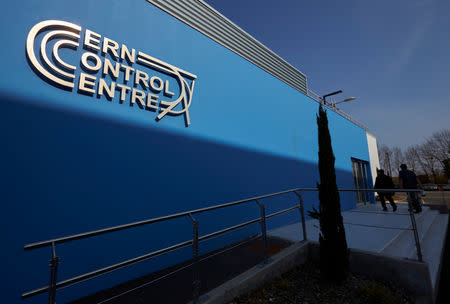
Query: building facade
x=123 y=111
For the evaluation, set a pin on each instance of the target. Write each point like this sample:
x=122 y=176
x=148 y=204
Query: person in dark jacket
x=385 y=182
x=409 y=180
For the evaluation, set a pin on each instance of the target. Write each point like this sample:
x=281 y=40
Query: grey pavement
x=365 y=227
x=437 y=198
x=369 y=228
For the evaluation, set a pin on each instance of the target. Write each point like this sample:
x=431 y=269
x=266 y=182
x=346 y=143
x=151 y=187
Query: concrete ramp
x=390 y=234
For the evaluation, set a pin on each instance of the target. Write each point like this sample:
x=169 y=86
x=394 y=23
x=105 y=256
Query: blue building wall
x=73 y=163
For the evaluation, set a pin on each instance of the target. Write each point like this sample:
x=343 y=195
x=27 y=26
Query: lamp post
x=331 y=94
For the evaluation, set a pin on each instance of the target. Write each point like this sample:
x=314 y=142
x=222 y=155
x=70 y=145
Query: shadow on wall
x=66 y=173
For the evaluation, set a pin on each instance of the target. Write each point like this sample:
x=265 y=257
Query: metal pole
x=302 y=213
x=195 y=267
x=53 y=276
x=263 y=230
x=413 y=224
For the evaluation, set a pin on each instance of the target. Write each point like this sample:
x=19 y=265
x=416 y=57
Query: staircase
x=367 y=229
x=431 y=228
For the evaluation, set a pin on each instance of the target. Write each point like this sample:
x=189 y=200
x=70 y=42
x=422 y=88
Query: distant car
x=446 y=187
x=430 y=187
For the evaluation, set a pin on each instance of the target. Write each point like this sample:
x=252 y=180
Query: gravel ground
x=303 y=285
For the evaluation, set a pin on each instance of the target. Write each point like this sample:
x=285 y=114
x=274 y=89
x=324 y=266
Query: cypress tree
x=334 y=264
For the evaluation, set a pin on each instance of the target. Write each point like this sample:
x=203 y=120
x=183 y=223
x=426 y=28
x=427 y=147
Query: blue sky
x=394 y=56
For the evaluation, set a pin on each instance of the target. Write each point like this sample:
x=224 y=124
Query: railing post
x=53 y=275
x=443 y=196
x=302 y=213
x=195 y=266
x=411 y=196
x=263 y=230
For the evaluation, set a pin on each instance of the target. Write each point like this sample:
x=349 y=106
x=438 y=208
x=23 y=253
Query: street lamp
x=331 y=94
x=345 y=100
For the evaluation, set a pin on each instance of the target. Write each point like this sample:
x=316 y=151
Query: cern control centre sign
x=108 y=69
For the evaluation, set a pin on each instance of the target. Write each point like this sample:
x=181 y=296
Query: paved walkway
x=365 y=227
x=388 y=233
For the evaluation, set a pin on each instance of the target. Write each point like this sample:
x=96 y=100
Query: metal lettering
x=141 y=77
x=110 y=91
x=62 y=74
x=152 y=101
x=110 y=45
x=109 y=69
x=124 y=52
x=166 y=89
x=154 y=87
x=123 y=91
x=137 y=95
x=97 y=61
x=128 y=71
x=86 y=83
x=92 y=40
x=71 y=31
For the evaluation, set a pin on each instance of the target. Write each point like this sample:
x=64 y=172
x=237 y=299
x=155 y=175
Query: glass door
x=360 y=170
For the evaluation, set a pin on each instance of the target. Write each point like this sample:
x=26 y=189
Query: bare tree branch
x=385 y=155
x=430 y=158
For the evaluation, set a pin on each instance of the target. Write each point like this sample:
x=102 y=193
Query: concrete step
x=405 y=223
x=423 y=231
x=366 y=227
x=433 y=246
x=403 y=243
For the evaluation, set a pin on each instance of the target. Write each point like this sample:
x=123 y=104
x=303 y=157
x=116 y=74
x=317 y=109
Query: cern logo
x=108 y=69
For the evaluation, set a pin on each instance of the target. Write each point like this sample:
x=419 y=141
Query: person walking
x=385 y=182
x=409 y=180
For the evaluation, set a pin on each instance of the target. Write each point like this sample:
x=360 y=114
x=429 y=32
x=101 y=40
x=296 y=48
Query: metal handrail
x=53 y=285
x=153 y=220
x=181 y=214
x=98 y=272
x=104 y=270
